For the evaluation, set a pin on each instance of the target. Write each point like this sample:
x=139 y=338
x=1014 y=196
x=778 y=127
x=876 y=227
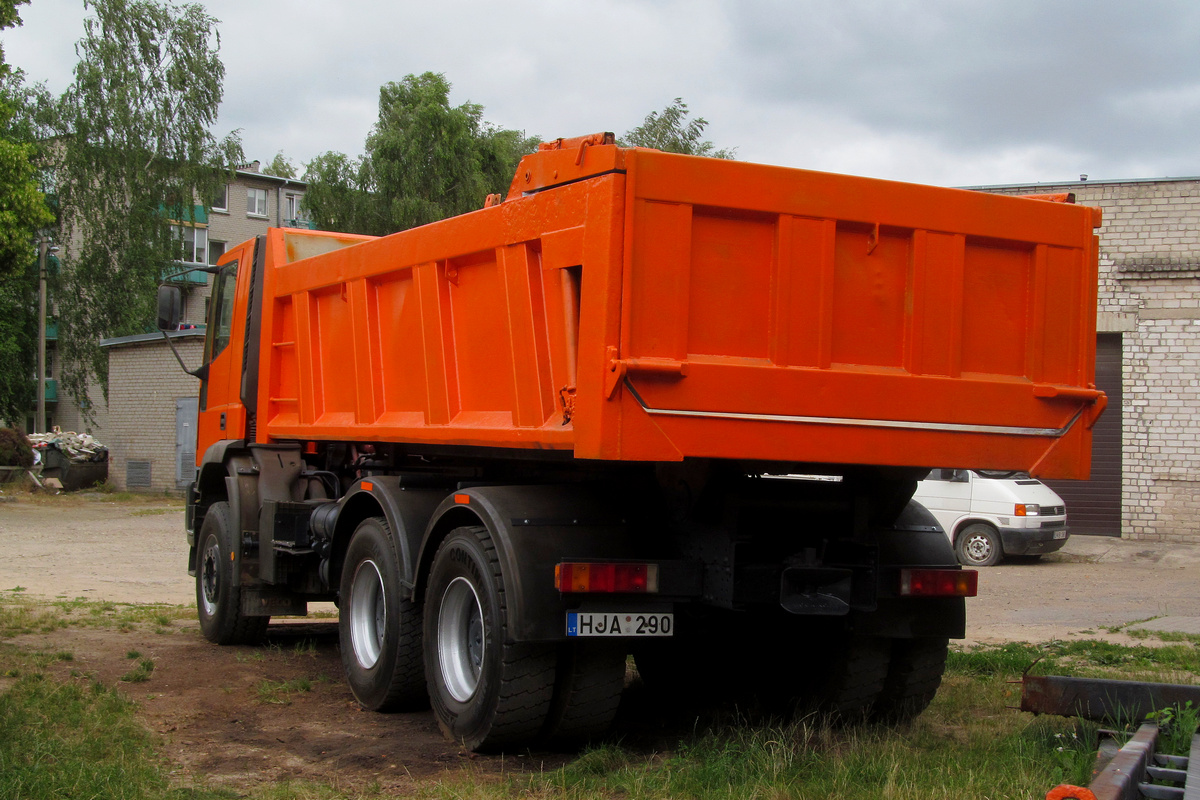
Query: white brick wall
x=1150 y=291
x=144 y=382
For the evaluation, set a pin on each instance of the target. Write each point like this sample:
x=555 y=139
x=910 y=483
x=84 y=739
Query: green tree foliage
x=22 y=206
x=18 y=341
x=425 y=160
x=671 y=131
x=136 y=150
x=339 y=197
x=23 y=211
x=281 y=167
x=14 y=449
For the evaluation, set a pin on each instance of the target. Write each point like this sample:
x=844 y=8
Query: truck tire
x=913 y=678
x=218 y=590
x=978 y=545
x=589 y=682
x=854 y=677
x=379 y=629
x=486 y=693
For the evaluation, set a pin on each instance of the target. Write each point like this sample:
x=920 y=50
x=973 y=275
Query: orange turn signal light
x=607 y=577
x=939 y=583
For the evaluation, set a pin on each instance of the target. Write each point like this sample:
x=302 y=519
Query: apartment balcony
x=186 y=273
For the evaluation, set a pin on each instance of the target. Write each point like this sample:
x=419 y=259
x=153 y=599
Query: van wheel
x=978 y=545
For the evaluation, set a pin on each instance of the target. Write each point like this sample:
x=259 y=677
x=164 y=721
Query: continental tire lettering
x=464 y=559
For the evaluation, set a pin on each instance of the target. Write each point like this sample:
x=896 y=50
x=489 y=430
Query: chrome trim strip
x=941 y=427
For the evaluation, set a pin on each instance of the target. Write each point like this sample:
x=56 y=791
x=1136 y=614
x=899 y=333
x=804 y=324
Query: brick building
x=149 y=421
x=1146 y=472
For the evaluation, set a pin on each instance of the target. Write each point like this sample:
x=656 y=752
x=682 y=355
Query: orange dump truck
x=518 y=445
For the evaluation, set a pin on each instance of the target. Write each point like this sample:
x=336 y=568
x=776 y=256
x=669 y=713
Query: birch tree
x=136 y=152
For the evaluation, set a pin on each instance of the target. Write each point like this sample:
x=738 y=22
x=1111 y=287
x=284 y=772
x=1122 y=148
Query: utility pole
x=39 y=424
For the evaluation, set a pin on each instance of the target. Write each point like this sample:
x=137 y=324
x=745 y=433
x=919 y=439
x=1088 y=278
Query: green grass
x=21 y=614
x=64 y=735
x=75 y=739
x=280 y=692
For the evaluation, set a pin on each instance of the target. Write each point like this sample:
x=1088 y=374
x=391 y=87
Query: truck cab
x=990 y=514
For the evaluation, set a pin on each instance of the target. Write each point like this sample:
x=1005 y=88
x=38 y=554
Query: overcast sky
x=952 y=93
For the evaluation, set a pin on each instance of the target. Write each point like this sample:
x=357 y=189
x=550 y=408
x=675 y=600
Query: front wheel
x=978 y=545
x=486 y=692
x=218 y=589
x=378 y=628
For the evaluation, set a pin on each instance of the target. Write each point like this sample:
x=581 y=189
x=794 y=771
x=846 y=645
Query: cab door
x=222 y=414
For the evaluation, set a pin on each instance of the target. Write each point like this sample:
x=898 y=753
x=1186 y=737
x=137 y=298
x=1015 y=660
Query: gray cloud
x=947 y=92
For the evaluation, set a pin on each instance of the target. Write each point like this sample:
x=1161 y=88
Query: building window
x=193 y=244
x=256 y=202
x=293 y=211
x=220 y=201
x=215 y=251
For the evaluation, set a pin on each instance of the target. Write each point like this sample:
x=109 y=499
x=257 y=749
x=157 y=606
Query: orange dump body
x=627 y=304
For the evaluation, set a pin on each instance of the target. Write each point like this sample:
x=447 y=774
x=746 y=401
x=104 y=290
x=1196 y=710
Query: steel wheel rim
x=368 y=614
x=977 y=547
x=460 y=639
x=210 y=571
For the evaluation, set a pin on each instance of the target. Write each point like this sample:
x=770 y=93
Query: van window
x=1001 y=474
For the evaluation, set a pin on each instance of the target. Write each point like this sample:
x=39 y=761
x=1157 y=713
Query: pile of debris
x=69 y=460
x=75 y=447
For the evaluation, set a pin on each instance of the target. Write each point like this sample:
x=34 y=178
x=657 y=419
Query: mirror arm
x=200 y=372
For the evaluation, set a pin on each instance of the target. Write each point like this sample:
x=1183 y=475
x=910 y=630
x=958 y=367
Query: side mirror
x=170 y=308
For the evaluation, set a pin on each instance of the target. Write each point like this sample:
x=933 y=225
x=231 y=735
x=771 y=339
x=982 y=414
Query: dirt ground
x=224 y=720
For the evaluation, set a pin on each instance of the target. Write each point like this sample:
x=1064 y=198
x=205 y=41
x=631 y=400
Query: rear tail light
x=606 y=577
x=939 y=583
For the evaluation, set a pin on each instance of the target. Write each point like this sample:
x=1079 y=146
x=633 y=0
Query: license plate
x=591 y=623
x=1060 y=534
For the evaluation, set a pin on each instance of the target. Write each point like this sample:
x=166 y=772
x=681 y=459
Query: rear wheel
x=588 y=688
x=978 y=545
x=379 y=629
x=913 y=678
x=854 y=677
x=218 y=590
x=485 y=692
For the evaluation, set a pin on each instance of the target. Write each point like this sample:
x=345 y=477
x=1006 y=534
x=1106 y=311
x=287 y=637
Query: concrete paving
x=1113 y=550
x=1110 y=549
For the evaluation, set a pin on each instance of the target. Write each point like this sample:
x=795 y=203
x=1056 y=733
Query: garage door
x=1094 y=506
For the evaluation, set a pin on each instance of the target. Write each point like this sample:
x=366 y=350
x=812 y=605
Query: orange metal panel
x=629 y=304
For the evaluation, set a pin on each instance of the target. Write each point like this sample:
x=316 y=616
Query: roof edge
x=143 y=338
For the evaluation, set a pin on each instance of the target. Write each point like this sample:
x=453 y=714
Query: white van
x=989 y=514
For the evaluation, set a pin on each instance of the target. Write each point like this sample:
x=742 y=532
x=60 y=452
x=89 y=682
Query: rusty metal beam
x=1101 y=700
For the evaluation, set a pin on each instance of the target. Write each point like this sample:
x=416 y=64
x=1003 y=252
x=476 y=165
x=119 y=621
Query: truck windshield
x=1001 y=474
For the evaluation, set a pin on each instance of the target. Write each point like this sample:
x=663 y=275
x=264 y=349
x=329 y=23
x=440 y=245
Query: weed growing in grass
x=141 y=673
x=280 y=692
x=1176 y=727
